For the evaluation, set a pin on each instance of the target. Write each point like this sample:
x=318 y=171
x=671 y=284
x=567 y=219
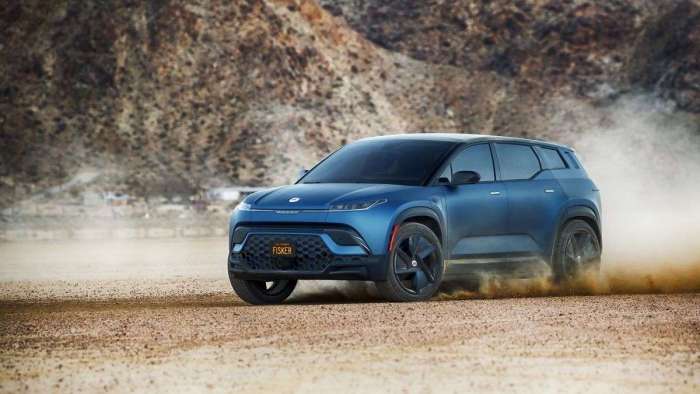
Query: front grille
x=311 y=253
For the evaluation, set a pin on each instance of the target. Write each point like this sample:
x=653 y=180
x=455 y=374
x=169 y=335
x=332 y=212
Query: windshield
x=403 y=162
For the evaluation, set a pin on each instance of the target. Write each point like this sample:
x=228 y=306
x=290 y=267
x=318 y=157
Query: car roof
x=457 y=137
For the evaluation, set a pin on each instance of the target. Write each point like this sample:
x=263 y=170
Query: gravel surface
x=643 y=343
x=69 y=330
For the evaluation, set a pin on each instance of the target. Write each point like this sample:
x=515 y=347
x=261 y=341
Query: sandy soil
x=117 y=317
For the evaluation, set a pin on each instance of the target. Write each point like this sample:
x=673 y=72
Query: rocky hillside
x=167 y=97
x=589 y=48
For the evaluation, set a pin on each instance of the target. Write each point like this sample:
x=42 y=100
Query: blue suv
x=410 y=212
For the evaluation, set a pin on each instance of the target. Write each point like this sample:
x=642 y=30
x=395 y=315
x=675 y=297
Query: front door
x=476 y=213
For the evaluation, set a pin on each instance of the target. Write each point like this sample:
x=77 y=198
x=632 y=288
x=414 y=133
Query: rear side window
x=573 y=160
x=517 y=161
x=475 y=158
x=551 y=159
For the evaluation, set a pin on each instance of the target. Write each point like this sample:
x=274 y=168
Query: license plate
x=283 y=250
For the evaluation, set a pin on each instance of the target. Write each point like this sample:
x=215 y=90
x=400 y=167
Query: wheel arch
x=426 y=217
x=584 y=213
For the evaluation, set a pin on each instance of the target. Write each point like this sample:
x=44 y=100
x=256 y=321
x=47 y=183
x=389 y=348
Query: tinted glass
x=447 y=174
x=475 y=158
x=551 y=158
x=381 y=161
x=517 y=161
x=573 y=160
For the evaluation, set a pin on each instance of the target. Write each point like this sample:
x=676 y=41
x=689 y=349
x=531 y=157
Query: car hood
x=319 y=196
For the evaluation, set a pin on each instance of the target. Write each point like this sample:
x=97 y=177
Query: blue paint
x=499 y=217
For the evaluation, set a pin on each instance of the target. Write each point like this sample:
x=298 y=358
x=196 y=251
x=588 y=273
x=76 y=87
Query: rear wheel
x=416 y=265
x=577 y=251
x=259 y=292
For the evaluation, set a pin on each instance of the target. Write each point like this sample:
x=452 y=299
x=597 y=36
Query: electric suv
x=412 y=211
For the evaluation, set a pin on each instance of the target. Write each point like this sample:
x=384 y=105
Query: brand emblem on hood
x=294 y=199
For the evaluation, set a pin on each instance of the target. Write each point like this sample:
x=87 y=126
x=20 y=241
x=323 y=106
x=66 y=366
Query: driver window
x=476 y=158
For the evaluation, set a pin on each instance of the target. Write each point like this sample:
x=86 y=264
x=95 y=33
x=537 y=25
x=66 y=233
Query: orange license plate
x=283 y=250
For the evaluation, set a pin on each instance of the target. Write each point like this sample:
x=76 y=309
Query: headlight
x=357 y=206
x=242 y=206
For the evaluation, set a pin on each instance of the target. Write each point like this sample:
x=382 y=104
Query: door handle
x=495 y=193
x=549 y=190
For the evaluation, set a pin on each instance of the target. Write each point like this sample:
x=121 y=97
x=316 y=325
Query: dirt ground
x=146 y=315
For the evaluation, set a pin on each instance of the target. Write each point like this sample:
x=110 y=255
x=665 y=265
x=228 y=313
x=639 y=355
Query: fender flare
x=581 y=211
x=422 y=211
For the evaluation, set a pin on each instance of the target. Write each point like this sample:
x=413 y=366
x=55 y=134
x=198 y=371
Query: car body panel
x=477 y=216
x=532 y=206
x=319 y=196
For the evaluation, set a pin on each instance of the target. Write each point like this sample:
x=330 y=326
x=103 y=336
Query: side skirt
x=512 y=267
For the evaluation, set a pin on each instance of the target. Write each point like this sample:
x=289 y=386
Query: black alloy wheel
x=578 y=251
x=415 y=265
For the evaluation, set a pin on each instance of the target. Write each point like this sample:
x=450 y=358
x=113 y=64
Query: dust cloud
x=645 y=158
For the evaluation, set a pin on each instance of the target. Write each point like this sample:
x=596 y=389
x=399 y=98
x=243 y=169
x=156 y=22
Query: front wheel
x=577 y=251
x=259 y=292
x=416 y=265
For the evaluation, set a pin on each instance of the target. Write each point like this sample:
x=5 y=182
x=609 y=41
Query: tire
x=262 y=292
x=576 y=252
x=416 y=265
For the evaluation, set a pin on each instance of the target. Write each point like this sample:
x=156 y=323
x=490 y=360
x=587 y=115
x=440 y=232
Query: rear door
x=534 y=197
x=476 y=213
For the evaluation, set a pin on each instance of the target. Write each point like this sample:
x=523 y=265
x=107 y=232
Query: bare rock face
x=665 y=57
x=170 y=97
x=578 y=45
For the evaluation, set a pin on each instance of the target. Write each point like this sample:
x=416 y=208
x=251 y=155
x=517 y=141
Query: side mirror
x=465 y=178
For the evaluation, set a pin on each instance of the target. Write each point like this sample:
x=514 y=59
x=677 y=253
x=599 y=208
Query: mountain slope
x=165 y=97
x=591 y=48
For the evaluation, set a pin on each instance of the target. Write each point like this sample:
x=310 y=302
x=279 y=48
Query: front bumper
x=322 y=252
